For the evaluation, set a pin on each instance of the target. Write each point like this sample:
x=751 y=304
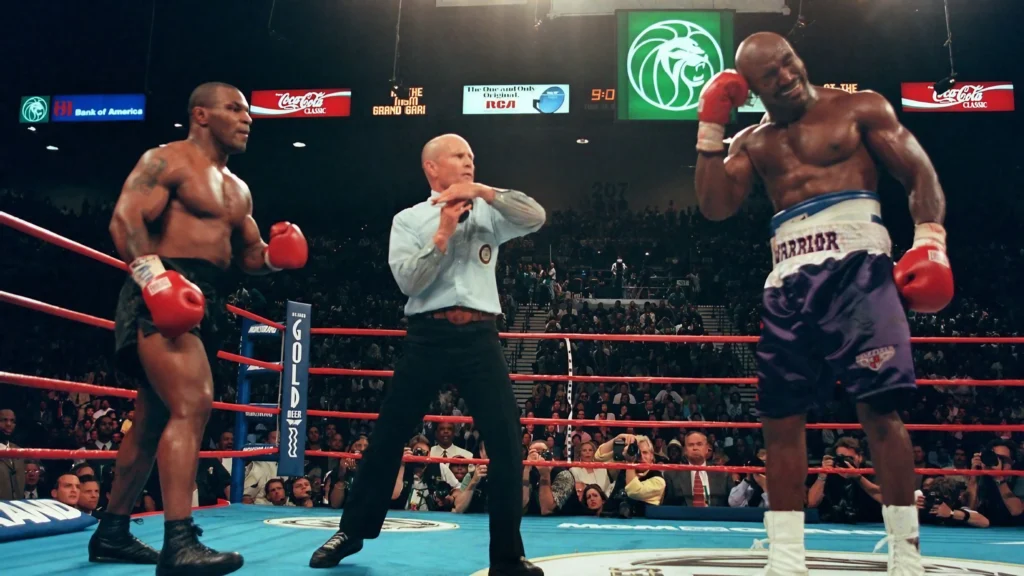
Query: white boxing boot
x=786 y=555
x=903 y=535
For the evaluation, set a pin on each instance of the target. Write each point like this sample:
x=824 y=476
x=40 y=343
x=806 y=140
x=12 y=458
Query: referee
x=442 y=254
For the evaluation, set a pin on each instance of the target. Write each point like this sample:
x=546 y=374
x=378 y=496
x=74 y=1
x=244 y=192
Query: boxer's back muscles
x=177 y=203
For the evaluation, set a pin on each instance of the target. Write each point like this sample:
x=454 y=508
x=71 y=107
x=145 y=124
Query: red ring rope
x=83 y=454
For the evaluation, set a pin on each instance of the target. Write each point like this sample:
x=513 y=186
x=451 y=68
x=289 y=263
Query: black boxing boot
x=184 y=554
x=337 y=547
x=522 y=567
x=112 y=542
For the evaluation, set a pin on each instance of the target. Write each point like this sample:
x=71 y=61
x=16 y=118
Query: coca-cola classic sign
x=301 y=103
x=964 y=97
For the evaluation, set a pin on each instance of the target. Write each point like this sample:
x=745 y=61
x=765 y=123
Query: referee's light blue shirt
x=464 y=275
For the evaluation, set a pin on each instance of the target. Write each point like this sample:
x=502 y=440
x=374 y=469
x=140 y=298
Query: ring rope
x=83 y=454
x=668 y=467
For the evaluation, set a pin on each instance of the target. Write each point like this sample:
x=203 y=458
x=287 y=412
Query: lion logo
x=670 y=61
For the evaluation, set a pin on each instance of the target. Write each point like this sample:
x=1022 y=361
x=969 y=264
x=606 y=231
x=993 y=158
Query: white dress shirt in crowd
x=668 y=393
x=597 y=476
x=741 y=493
x=618 y=399
x=452 y=451
x=464 y=275
x=257 y=474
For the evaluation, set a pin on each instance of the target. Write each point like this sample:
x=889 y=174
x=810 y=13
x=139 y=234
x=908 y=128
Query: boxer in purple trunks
x=834 y=301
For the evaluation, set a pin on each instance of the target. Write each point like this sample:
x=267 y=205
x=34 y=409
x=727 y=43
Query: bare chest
x=212 y=194
x=817 y=141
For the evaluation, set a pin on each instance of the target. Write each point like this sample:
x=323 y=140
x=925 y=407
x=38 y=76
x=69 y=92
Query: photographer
x=944 y=503
x=471 y=497
x=338 y=480
x=752 y=490
x=547 y=491
x=423 y=486
x=993 y=496
x=633 y=489
x=846 y=498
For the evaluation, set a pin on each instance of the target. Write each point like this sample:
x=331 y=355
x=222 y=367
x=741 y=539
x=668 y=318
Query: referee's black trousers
x=469 y=356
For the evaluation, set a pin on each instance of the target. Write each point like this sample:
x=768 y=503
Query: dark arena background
x=627 y=312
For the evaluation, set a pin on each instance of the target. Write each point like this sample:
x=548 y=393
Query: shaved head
x=447 y=159
x=432 y=150
x=205 y=95
x=758 y=49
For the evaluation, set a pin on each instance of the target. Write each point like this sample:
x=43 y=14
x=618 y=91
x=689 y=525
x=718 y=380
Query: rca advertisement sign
x=964 y=97
x=301 y=103
x=666 y=57
x=98 y=108
x=516 y=99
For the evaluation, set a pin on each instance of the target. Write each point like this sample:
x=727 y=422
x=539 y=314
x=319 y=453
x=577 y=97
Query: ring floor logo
x=732 y=562
x=390 y=524
x=667 y=57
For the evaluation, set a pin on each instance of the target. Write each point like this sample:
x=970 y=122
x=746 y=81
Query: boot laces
x=335 y=541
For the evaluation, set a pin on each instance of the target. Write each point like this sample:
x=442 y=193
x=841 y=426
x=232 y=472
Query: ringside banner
x=516 y=99
x=98 y=108
x=318 y=103
x=964 y=97
x=294 y=381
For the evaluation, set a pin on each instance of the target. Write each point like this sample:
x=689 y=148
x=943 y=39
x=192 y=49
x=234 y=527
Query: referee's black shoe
x=521 y=568
x=334 y=550
x=112 y=542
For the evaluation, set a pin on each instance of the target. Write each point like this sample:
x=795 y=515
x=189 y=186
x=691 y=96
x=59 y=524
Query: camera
x=419 y=452
x=547 y=455
x=621 y=452
x=840 y=461
x=989 y=458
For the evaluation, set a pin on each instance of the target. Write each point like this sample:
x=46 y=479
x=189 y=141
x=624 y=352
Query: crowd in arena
x=662 y=272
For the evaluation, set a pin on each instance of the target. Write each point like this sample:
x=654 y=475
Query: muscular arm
x=144 y=197
x=249 y=246
x=723 y=182
x=816 y=492
x=902 y=155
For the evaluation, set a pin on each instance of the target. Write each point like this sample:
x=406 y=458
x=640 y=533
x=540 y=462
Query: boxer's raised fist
x=923 y=275
x=727 y=90
x=175 y=304
x=287 y=248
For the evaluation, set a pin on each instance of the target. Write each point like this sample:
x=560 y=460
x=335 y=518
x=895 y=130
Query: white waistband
x=811 y=242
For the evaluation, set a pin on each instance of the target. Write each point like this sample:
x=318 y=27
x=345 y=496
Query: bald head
x=774 y=72
x=447 y=159
x=206 y=94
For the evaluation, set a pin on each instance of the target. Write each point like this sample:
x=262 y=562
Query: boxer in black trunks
x=832 y=303
x=181 y=220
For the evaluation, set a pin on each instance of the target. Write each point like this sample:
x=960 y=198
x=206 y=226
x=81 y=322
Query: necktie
x=699 y=501
x=444 y=453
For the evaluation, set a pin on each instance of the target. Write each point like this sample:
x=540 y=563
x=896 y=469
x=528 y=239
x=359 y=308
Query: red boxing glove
x=287 y=248
x=175 y=304
x=727 y=90
x=923 y=275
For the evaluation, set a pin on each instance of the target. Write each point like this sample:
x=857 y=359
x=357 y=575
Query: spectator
x=752 y=491
x=945 y=503
x=845 y=498
x=586 y=476
x=12 y=471
x=423 y=486
x=258 y=474
x=700 y=489
x=472 y=494
x=445 y=434
x=274 y=493
x=301 y=493
x=33 y=480
x=547 y=490
x=919 y=462
x=993 y=496
x=67 y=490
x=634 y=489
x=593 y=500
x=89 y=494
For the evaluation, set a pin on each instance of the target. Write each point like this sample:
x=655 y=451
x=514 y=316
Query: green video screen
x=666 y=56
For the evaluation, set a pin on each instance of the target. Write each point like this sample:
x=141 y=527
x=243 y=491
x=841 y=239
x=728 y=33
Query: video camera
x=621 y=452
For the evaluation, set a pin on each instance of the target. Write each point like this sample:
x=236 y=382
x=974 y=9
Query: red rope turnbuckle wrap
x=67 y=386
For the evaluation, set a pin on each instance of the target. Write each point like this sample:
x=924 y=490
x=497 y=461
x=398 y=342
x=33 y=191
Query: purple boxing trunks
x=831 y=308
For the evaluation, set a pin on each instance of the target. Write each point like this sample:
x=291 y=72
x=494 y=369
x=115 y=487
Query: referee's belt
x=458 y=315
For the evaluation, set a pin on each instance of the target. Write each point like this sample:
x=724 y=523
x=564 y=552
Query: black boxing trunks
x=132 y=315
x=831 y=308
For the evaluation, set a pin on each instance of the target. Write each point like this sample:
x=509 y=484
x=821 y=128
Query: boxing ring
x=281 y=539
